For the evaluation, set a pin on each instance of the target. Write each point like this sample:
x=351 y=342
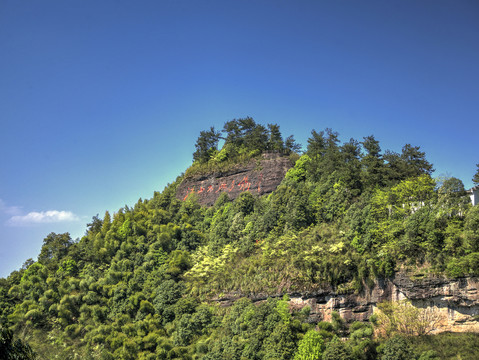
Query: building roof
x=474 y=188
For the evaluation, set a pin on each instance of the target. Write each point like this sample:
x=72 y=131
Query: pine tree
x=475 y=179
x=275 y=141
x=372 y=163
x=206 y=145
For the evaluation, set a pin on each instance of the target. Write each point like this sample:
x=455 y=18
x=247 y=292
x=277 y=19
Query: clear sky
x=101 y=102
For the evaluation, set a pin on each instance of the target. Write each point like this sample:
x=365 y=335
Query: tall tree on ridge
x=475 y=179
x=416 y=161
x=275 y=141
x=206 y=145
x=372 y=163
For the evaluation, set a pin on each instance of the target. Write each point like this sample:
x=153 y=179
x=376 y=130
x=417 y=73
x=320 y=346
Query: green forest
x=142 y=282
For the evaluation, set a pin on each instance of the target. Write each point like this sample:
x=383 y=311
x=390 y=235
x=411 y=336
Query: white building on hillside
x=474 y=194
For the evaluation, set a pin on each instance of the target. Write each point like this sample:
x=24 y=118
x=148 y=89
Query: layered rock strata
x=453 y=303
x=258 y=177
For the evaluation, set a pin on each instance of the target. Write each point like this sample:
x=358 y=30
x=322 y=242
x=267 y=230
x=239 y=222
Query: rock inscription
x=258 y=177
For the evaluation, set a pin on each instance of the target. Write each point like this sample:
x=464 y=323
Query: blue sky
x=101 y=102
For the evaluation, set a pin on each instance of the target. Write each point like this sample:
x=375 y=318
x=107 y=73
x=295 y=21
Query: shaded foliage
x=139 y=283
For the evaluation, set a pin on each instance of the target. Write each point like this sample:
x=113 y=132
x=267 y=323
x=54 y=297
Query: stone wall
x=258 y=177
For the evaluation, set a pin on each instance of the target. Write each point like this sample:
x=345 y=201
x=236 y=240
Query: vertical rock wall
x=453 y=304
x=258 y=177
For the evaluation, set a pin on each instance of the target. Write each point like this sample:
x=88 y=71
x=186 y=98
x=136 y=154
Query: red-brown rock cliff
x=258 y=177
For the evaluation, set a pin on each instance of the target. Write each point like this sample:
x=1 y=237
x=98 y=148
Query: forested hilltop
x=143 y=283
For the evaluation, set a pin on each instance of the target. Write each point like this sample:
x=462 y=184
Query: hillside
x=260 y=252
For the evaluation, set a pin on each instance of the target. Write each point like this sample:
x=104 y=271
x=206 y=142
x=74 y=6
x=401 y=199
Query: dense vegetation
x=140 y=283
x=243 y=139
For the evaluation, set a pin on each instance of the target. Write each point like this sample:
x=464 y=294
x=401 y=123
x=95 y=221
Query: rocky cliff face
x=258 y=177
x=454 y=303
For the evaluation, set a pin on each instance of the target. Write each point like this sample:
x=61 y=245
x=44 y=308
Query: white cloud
x=9 y=210
x=51 y=216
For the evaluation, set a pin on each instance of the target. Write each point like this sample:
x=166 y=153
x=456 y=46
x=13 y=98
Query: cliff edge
x=258 y=176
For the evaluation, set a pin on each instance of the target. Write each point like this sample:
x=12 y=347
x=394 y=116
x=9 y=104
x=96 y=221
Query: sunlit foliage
x=140 y=283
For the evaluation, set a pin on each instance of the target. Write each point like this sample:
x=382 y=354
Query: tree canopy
x=144 y=281
x=475 y=179
x=242 y=137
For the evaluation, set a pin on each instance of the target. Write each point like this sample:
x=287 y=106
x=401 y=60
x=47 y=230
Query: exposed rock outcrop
x=259 y=177
x=453 y=302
